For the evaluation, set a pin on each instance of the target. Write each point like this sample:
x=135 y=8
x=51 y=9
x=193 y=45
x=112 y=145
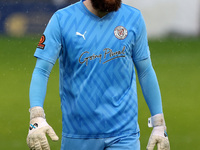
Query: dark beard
x=106 y=5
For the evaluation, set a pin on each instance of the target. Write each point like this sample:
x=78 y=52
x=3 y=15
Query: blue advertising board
x=19 y=18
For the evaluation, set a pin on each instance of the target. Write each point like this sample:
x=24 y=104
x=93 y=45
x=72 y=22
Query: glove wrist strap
x=156 y=120
x=36 y=112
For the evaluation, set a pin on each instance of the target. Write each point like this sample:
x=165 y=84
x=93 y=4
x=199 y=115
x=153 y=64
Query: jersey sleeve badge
x=41 y=44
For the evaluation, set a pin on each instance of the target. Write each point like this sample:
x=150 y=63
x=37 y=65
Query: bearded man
x=98 y=43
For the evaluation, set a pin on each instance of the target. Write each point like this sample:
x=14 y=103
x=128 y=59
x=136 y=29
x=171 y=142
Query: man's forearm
x=150 y=87
x=39 y=81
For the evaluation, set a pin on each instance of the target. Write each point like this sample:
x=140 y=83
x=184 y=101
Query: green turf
x=177 y=65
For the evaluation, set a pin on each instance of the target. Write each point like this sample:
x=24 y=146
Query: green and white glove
x=159 y=135
x=38 y=129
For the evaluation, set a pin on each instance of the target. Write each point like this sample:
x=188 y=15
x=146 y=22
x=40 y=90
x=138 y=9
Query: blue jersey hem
x=98 y=136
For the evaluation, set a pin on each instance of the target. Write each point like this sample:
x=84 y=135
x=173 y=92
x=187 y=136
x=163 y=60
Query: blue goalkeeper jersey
x=97 y=76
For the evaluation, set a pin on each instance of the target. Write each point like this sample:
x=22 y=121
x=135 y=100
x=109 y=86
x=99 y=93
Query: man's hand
x=159 y=135
x=38 y=129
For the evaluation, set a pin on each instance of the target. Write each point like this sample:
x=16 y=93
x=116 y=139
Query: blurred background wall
x=163 y=17
x=170 y=17
x=22 y=17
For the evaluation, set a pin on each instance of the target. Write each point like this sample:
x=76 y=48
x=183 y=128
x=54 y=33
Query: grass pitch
x=177 y=65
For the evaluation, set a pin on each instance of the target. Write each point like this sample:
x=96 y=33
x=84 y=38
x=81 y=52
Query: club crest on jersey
x=120 y=32
x=41 y=44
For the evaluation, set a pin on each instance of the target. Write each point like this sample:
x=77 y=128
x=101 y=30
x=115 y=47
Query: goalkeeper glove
x=159 y=135
x=36 y=138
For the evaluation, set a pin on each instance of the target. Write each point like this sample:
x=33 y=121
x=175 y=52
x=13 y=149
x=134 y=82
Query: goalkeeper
x=98 y=43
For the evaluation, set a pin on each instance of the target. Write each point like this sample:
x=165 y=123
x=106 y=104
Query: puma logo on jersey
x=83 y=35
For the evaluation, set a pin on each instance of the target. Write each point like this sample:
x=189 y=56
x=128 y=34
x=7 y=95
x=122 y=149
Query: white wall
x=169 y=16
